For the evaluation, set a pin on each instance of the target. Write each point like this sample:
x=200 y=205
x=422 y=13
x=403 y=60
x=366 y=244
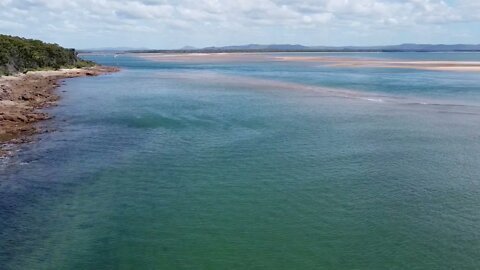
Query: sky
x=171 y=24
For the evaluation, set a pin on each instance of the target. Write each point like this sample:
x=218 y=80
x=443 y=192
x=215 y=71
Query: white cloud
x=215 y=16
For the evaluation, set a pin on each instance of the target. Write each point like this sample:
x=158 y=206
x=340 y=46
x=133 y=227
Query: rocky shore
x=23 y=96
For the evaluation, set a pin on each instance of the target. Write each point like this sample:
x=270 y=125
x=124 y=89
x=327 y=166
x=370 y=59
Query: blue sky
x=176 y=23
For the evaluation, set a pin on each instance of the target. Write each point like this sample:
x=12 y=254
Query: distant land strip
x=301 y=48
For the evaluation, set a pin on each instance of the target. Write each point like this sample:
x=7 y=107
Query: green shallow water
x=149 y=170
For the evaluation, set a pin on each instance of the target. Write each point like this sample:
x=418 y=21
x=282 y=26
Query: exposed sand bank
x=473 y=66
x=22 y=95
x=466 y=66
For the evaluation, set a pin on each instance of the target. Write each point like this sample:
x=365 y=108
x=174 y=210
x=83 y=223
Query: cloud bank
x=174 y=23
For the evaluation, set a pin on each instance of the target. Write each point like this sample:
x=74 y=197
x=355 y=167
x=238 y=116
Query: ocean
x=250 y=165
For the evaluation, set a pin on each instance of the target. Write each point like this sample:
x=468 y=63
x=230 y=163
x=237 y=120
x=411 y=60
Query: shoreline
x=22 y=96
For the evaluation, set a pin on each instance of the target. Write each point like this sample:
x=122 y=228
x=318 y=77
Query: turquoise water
x=250 y=166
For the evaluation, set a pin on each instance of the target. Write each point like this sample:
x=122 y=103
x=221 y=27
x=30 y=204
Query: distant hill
x=258 y=47
x=19 y=55
x=405 y=48
x=392 y=48
x=189 y=48
x=300 y=48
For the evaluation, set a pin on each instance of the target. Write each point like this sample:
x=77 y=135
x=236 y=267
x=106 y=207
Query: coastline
x=22 y=96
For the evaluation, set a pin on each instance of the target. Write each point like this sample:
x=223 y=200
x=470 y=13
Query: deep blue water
x=249 y=165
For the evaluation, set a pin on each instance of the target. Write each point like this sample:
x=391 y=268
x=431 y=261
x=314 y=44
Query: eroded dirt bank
x=23 y=95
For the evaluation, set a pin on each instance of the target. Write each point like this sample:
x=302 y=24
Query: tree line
x=20 y=55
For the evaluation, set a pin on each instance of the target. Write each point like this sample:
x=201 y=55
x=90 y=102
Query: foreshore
x=22 y=96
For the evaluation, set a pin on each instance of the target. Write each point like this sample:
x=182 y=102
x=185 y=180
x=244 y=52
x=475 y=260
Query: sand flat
x=460 y=66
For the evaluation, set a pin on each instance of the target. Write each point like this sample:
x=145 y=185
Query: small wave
x=442 y=104
x=374 y=99
x=457 y=112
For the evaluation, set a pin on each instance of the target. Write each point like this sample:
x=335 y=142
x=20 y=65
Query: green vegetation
x=21 y=55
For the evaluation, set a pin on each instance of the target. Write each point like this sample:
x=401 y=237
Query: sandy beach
x=23 y=95
x=461 y=66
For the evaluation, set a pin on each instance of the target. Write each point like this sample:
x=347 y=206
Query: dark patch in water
x=146 y=121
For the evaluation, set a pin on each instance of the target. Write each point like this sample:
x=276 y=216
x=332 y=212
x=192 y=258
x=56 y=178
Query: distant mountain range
x=258 y=47
x=300 y=48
